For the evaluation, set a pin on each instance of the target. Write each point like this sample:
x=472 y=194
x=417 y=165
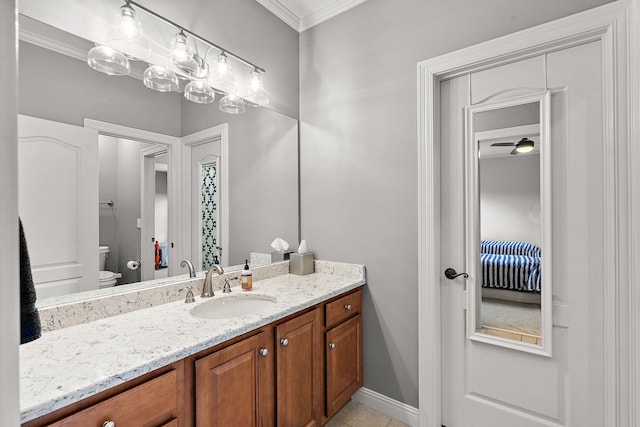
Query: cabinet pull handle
x=284 y=342
x=332 y=345
x=348 y=307
x=109 y=423
x=264 y=352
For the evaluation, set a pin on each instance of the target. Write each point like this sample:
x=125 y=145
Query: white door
x=490 y=385
x=205 y=204
x=58 y=204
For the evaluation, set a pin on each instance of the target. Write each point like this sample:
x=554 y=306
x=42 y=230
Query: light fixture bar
x=202 y=39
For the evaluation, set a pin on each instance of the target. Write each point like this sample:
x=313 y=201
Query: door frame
x=213 y=133
x=176 y=231
x=615 y=25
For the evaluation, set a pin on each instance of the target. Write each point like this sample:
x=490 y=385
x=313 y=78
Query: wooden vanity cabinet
x=154 y=400
x=296 y=372
x=343 y=350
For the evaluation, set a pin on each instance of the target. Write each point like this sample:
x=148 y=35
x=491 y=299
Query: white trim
x=387 y=406
x=53 y=45
x=282 y=12
x=203 y=136
x=302 y=23
x=327 y=12
x=634 y=214
x=611 y=24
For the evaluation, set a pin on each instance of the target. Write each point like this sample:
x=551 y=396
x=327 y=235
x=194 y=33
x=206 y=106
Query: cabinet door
x=344 y=363
x=298 y=371
x=229 y=385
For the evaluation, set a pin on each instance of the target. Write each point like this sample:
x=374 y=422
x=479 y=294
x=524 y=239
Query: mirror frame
x=472 y=232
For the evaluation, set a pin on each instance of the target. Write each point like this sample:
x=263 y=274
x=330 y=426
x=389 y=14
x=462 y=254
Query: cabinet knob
x=264 y=352
x=332 y=345
x=348 y=307
x=109 y=424
x=284 y=342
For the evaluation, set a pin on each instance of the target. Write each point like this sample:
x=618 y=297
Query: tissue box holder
x=278 y=256
x=301 y=264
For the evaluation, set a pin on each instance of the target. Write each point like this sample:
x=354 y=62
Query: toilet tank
x=103 y=254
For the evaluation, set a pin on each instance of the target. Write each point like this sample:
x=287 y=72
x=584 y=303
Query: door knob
x=451 y=273
x=284 y=342
x=264 y=352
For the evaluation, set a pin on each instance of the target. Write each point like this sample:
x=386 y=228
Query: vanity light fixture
x=127 y=26
x=108 y=60
x=232 y=104
x=199 y=91
x=182 y=62
x=257 y=96
x=160 y=78
x=181 y=54
x=221 y=76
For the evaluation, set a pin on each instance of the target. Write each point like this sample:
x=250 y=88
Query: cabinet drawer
x=343 y=308
x=151 y=404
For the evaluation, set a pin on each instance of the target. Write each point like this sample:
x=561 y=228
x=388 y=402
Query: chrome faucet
x=192 y=273
x=207 y=288
x=187 y=263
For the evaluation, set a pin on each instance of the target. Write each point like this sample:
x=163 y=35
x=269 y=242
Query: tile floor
x=357 y=415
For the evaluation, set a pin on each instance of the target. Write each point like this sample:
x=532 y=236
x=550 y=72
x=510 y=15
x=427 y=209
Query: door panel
x=487 y=385
x=58 y=204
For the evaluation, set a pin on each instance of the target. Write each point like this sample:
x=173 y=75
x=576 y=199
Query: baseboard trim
x=387 y=406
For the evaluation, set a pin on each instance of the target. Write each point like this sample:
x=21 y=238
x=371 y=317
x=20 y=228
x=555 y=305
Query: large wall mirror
x=147 y=178
x=508 y=222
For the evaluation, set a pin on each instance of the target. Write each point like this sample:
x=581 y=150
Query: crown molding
x=282 y=12
x=301 y=24
x=336 y=7
x=51 y=44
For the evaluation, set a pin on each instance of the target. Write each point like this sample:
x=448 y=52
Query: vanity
x=294 y=361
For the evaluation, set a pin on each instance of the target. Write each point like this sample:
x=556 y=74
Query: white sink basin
x=234 y=306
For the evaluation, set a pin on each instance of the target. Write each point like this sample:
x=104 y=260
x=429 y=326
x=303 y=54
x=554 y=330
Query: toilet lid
x=107 y=275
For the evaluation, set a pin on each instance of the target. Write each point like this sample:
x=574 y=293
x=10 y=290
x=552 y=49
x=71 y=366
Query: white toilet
x=106 y=279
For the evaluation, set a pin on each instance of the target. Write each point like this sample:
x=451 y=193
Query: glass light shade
x=232 y=104
x=160 y=78
x=257 y=96
x=199 y=91
x=108 y=60
x=127 y=35
x=182 y=54
x=221 y=77
x=126 y=25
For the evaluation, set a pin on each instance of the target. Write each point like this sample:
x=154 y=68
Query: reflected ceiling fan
x=523 y=146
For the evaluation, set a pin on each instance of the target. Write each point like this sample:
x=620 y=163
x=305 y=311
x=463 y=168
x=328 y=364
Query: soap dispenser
x=247 y=277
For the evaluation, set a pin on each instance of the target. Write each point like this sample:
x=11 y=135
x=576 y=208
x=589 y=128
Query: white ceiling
x=304 y=14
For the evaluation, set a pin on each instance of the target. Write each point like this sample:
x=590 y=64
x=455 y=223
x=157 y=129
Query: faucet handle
x=189 y=298
x=227 y=288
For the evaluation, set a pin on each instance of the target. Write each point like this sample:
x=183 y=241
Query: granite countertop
x=70 y=364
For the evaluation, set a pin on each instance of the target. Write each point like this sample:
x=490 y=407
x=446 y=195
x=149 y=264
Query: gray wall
x=120 y=182
x=358 y=151
x=60 y=88
x=249 y=30
x=510 y=198
x=263 y=175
